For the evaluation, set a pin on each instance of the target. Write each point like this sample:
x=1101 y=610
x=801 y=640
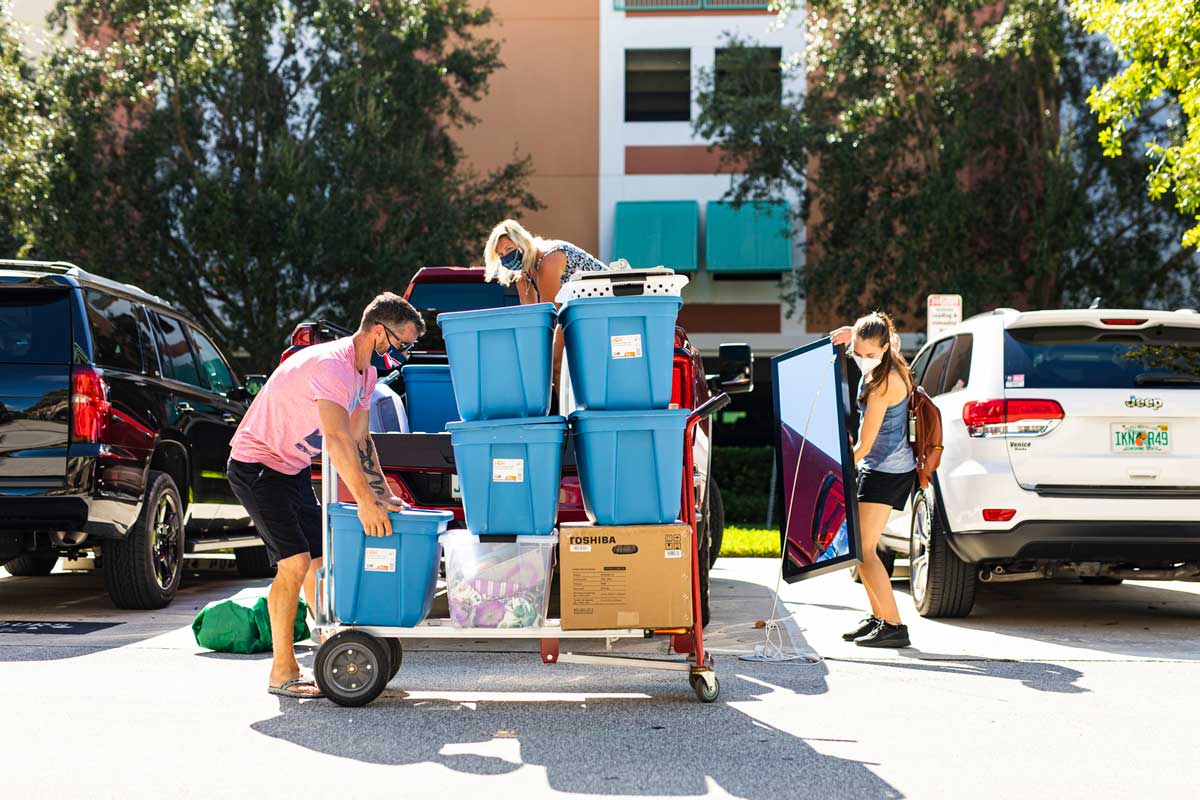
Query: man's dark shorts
x=284 y=508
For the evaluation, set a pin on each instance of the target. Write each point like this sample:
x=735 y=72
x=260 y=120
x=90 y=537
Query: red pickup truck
x=420 y=466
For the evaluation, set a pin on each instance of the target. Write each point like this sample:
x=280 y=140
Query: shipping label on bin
x=379 y=559
x=508 y=470
x=626 y=346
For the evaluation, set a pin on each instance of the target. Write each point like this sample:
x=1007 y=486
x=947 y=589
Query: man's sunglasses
x=403 y=347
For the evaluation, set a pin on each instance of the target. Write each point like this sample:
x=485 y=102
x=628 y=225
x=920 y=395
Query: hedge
x=744 y=475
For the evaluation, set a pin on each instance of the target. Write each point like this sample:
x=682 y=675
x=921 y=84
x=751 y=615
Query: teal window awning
x=754 y=237
x=652 y=233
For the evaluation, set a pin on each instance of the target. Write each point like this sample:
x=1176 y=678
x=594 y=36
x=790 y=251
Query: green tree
x=944 y=145
x=1158 y=42
x=261 y=162
x=25 y=136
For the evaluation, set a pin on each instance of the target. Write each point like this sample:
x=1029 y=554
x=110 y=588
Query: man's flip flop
x=285 y=689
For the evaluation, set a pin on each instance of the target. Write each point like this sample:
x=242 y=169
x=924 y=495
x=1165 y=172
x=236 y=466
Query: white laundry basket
x=620 y=280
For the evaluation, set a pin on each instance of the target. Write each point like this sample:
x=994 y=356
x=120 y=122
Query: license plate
x=455 y=487
x=1141 y=438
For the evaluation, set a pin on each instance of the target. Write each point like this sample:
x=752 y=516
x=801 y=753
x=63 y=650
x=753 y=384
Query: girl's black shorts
x=889 y=488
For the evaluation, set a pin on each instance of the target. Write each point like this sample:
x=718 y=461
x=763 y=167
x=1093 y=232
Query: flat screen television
x=817 y=480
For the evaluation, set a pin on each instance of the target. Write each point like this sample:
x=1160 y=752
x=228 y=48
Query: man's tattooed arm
x=370 y=466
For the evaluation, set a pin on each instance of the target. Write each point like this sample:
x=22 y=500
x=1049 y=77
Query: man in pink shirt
x=319 y=397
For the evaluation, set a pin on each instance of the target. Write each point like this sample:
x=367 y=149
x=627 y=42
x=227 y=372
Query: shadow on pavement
x=597 y=730
x=1033 y=674
x=81 y=597
x=630 y=732
x=1143 y=620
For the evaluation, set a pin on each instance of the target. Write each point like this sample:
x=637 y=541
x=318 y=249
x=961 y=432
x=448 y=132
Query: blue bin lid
x=412 y=520
x=531 y=430
x=483 y=425
x=530 y=316
x=425 y=372
x=605 y=421
x=646 y=305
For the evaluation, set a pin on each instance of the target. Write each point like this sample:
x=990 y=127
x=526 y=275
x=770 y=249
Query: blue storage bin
x=630 y=464
x=500 y=359
x=509 y=471
x=619 y=351
x=385 y=580
x=429 y=397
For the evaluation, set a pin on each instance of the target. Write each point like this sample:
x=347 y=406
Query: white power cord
x=772 y=650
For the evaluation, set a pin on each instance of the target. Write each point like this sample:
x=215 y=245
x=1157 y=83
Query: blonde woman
x=887 y=470
x=538 y=267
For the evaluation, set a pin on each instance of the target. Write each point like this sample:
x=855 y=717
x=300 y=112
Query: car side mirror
x=254 y=385
x=735 y=368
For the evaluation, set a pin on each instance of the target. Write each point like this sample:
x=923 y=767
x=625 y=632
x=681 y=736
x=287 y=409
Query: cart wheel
x=352 y=668
x=395 y=656
x=705 y=685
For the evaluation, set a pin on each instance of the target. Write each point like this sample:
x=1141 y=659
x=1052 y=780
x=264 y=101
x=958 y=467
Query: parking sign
x=942 y=311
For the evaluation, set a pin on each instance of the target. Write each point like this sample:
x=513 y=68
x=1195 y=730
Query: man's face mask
x=392 y=355
x=512 y=260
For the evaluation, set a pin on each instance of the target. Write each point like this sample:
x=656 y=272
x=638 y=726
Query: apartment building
x=602 y=94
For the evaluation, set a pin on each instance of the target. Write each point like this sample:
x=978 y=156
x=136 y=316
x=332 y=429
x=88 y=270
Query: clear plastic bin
x=498 y=584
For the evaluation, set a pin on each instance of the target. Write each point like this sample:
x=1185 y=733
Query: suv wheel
x=942 y=584
x=253 y=562
x=31 y=565
x=710 y=528
x=716 y=521
x=143 y=569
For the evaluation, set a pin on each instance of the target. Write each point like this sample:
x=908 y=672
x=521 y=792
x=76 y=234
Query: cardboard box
x=630 y=576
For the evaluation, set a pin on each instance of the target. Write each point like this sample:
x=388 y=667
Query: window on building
x=658 y=85
x=749 y=72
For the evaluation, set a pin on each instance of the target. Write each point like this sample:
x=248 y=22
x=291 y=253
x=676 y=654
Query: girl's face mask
x=867 y=365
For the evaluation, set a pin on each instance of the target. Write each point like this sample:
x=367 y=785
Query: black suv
x=116 y=413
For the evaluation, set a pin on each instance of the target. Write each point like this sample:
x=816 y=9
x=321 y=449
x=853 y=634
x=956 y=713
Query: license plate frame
x=1140 y=438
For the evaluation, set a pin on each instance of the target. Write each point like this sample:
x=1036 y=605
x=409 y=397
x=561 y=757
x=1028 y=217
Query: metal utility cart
x=355 y=662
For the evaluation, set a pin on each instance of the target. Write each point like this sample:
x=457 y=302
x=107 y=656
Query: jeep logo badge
x=1153 y=403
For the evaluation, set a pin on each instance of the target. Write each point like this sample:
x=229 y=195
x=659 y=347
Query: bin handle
x=709 y=407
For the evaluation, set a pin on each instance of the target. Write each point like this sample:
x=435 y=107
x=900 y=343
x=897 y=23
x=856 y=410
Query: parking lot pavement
x=1051 y=689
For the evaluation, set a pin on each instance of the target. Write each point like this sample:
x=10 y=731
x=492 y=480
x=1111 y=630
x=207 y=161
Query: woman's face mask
x=512 y=260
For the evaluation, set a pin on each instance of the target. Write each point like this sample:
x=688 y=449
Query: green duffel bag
x=232 y=626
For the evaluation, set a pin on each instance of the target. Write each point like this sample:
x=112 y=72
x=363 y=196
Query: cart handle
x=709 y=407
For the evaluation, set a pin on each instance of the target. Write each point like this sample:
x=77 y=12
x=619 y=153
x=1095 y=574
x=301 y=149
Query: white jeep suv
x=1072 y=449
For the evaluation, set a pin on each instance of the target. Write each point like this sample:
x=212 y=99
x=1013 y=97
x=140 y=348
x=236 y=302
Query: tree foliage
x=262 y=162
x=943 y=146
x=1158 y=42
x=25 y=135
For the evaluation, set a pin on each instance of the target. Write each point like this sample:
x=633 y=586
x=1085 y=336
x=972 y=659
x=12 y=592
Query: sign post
x=942 y=311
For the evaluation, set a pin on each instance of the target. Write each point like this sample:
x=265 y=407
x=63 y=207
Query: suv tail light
x=1023 y=417
x=680 y=396
x=998 y=514
x=304 y=335
x=90 y=408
